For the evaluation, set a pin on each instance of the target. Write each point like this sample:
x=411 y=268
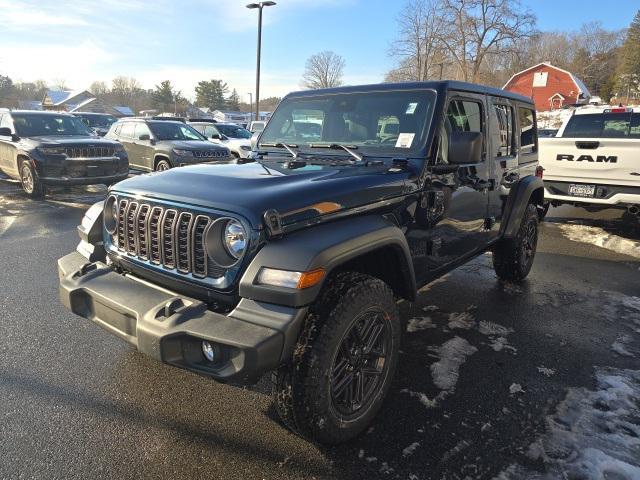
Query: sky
x=79 y=41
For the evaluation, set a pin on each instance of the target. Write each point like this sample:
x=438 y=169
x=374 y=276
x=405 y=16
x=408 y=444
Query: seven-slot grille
x=167 y=237
x=89 y=152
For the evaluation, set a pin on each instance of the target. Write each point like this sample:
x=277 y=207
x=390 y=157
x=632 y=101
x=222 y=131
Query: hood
x=238 y=142
x=253 y=188
x=72 y=140
x=192 y=144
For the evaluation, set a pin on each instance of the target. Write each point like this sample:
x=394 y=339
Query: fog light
x=208 y=351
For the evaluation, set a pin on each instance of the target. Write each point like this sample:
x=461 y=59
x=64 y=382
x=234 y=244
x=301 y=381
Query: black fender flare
x=519 y=197
x=91 y=243
x=327 y=246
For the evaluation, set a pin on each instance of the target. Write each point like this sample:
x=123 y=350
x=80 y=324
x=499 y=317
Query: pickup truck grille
x=167 y=237
x=89 y=152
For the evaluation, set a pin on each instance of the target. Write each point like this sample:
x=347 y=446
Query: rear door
x=143 y=149
x=599 y=148
x=126 y=137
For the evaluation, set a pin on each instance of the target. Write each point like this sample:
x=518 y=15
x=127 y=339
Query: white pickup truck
x=594 y=160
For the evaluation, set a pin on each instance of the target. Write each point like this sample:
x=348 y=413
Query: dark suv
x=52 y=148
x=294 y=264
x=100 y=123
x=157 y=145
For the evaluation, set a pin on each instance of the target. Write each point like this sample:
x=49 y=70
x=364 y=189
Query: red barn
x=550 y=87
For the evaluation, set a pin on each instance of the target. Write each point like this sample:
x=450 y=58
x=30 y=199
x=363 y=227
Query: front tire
x=30 y=182
x=513 y=257
x=343 y=363
x=162 y=165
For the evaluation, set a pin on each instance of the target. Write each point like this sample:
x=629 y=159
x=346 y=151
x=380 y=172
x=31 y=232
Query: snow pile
x=593 y=435
x=497 y=334
x=453 y=353
x=419 y=323
x=597 y=236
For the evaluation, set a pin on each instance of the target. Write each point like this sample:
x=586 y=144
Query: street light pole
x=259 y=6
x=250 y=104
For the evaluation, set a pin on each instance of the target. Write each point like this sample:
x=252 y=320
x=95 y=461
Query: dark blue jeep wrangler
x=293 y=264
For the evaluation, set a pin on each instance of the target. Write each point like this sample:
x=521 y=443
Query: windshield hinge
x=273 y=222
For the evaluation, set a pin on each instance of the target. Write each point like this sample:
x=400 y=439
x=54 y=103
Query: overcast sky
x=185 y=41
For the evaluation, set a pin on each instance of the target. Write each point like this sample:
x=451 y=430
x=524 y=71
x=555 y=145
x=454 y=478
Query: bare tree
x=479 y=30
x=323 y=70
x=124 y=89
x=60 y=84
x=419 y=48
x=99 y=88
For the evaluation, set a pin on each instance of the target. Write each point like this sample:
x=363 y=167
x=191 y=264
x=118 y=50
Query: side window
x=142 y=129
x=209 y=131
x=503 y=136
x=465 y=116
x=5 y=121
x=634 y=126
x=528 y=134
x=127 y=130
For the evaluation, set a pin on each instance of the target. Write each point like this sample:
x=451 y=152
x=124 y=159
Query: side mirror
x=144 y=136
x=85 y=121
x=465 y=147
x=216 y=136
x=5 y=132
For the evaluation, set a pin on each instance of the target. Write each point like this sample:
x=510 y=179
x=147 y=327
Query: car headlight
x=245 y=147
x=110 y=214
x=183 y=153
x=226 y=241
x=51 y=150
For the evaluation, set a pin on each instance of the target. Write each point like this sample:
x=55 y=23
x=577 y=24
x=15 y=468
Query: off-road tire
x=30 y=181
x=543 y=210
x=162 y=165
x=513 y=257
x=302 y=388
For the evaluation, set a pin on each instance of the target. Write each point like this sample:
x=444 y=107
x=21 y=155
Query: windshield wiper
x=336 y=146
x=289 y=148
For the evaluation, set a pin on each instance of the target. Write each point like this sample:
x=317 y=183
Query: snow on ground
x=553 y=119
x=547 y=372
x=461 y=320
x=593 y=435
x=420 y=323
x=424 y=399
x=620 y=346
x=453 y=353
x=410 y=449
x=597 y=236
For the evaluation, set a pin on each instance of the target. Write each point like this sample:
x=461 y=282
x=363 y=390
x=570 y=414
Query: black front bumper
x=70 y=181
x=252 y=339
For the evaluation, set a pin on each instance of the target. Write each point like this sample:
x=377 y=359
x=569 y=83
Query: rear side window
x=504 y=116
x=528 y=134
x=603 y=125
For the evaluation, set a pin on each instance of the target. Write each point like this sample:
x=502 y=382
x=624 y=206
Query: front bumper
x=70 y=181
x=252 y=339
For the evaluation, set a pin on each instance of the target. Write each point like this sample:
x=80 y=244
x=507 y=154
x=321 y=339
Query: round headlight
x=110 y=214
x=226 y=241
x=235 y=238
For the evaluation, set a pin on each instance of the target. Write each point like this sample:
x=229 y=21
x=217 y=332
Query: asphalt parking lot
x=495 y=380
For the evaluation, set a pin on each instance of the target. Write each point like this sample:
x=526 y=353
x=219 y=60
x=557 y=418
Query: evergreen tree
x=6 y=90
x=233 y=102
x=212 y=93
x=164 y=97
x=629 y=61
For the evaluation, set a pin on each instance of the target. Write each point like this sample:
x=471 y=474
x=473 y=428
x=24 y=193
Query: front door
x=143 y=150
x=450 y=221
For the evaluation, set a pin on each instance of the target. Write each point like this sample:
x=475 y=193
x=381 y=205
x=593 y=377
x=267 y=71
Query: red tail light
x=539 y=171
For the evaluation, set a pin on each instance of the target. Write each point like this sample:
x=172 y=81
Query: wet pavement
x=484 y=366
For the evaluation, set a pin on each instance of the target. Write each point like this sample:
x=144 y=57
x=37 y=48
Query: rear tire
x=343 y=364
x=513 y=257
x=30 y=182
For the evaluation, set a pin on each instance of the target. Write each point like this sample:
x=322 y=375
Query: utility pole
x=259 y=6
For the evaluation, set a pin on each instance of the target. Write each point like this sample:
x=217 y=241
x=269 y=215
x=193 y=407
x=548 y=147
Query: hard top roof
x=440 y=86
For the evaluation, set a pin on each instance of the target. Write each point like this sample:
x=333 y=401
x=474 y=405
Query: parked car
x=547 y=132
x=234 y=137
x=157 y=145
x=256 y=126
x=100 y=123
x=49 y=148
x=294 y=264
x=593 y=161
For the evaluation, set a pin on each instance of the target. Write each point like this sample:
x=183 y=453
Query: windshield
x=174 y=131
x=33 y=125
x=99 y=121
x=388 y=122
x=233 y=131
x=603 y=125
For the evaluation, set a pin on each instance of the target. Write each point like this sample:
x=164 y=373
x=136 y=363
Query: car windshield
x=257 y=126
x=379 y=122
x=233 y=131
x=99 y=121
x=33 y=125
x=603 y=125
x=174 y=131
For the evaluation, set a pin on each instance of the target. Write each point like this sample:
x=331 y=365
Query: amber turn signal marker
x=309 y=279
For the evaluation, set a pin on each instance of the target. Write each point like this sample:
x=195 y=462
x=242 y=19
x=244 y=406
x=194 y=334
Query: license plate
x=582 y=190
x=93 y=171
